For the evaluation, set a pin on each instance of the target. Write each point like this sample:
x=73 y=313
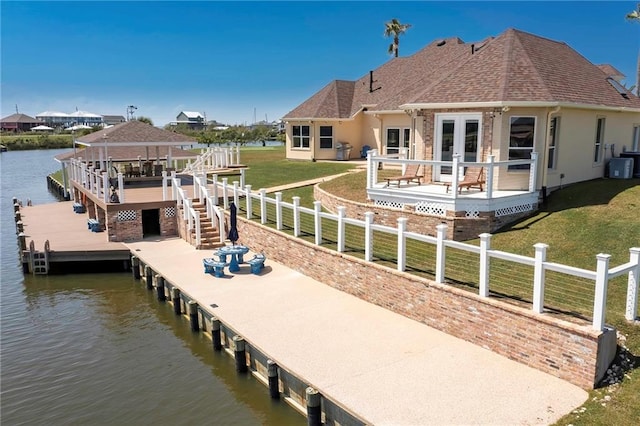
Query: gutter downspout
x=545 y=153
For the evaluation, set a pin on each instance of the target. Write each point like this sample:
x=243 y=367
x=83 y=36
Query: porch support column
x=533 y=172
x=455 y=177
x=489 y=184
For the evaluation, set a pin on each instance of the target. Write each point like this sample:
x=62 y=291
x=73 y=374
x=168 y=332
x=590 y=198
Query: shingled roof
x=514 y=67
x=135 y=133
x=127 y=141
x=20 y=118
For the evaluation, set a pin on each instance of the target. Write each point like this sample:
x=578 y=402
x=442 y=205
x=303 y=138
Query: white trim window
x=597 y=154
x=301 y=137
x=326 y=137
x=521 y=139
x=552 y=154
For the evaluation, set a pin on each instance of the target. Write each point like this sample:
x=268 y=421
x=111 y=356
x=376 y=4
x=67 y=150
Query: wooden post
x=272 y=372
x=633 y=285
x=441 y=231
x=402 y=244
x=175 y=297
x=485 y=245
x=215 y=334
x=538 y=277
x=135 y=267
x=239 y=352
x=193 y=316
x=148 y=276
x=314 y=411
x=160 y=288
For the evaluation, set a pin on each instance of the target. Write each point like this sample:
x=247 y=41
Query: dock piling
x=135 y=267
x=193 y=315
x=215 y=334
x=272 y=372
x=160 y=288
x=314 y=412
x=239 y=352
x=148 y=276
x=175 y=297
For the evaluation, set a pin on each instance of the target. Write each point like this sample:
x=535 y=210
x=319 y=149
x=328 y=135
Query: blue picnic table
x=236 y=253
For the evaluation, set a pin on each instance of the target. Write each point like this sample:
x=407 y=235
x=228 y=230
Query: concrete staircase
x=209 y=237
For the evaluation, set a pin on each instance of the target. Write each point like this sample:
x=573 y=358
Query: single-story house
x=19 y=123
x=504 y=97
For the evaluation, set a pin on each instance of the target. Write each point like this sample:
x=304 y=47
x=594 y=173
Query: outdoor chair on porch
x=474 y=177
x=128 y=170
x=411 y=174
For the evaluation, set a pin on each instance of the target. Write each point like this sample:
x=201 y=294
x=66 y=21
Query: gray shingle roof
x=19 y=118
x=135 y=132
x=512 y=67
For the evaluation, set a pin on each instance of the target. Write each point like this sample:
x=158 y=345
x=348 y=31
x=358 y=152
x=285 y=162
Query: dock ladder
x=39 y=259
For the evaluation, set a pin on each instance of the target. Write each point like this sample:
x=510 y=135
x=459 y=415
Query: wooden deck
x=67 y=233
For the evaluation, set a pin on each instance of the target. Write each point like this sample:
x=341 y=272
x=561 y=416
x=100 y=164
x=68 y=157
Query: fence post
x=317 y=221
x=368 y=236
x=225 y=199
x=105 y=187
x=485 y=245
x=538 y=277
x=600 y=297
x=402 y=243
x=369 y=170
x=341 y=225
x=236 y=196
x=241 y=175
x=441 y=233
x=247 y=190
x=278 y=211
x=633 y=285
x=214 y=179
x=263 y=206
x=296 y=216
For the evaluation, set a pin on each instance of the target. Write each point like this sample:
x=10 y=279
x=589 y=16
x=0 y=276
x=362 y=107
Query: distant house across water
x=192 y=119
x=19 y=123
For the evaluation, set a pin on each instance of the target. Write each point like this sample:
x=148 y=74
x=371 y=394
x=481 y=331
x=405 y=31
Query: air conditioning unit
x=620 y=168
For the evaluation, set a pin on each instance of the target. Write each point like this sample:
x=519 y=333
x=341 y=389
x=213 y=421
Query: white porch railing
x=374 y=161
x=600 y=277
x=213 y=158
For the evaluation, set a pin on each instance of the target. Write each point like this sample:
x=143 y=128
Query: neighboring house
x=64 y=120
x=192 y=119
x=19 y=123
x=110 y=120
x=507 y=96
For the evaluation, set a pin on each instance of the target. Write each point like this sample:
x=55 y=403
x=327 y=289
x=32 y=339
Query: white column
x=248 y=199
x=296 y=216
x=368 y=236
x=441 y=232
x=600 y=297
x=633 y=285
x=485 y=245
x=317 y=221
x=263 y=206
x=489 y=178
x=538 y=277
x=402 y=244
x=278 y=210
x=341 y=225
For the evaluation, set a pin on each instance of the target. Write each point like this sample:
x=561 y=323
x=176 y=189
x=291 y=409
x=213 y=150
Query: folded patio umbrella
x=233 y=223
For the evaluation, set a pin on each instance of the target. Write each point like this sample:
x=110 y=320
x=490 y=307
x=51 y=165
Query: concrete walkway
x=381 y=366
x=308 y=182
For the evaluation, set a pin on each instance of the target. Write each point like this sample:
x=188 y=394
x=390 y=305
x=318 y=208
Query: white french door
x=456 y=134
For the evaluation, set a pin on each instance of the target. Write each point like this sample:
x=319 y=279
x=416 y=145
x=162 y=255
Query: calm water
x=99 y=349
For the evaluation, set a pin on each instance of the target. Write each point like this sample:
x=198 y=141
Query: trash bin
x=343 y=151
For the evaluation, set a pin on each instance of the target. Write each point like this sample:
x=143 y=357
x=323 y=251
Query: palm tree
x=635 y=15
x=395 y=28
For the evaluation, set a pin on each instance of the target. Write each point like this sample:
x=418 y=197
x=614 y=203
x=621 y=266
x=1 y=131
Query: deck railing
x=375 y=161
x=213 y=158
x=478 y=262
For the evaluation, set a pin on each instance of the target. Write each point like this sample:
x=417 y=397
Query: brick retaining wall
x=573 y=353
x=458 y=228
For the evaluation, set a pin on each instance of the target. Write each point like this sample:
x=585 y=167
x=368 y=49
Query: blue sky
x=236 y=60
